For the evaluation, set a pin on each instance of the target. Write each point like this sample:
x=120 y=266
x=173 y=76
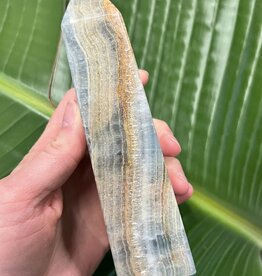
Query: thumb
x=49 y=169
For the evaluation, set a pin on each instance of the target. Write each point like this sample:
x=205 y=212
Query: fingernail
x=69 y=114
x=174 y=141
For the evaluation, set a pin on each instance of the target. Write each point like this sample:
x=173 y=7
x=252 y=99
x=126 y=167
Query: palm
x=81 y=229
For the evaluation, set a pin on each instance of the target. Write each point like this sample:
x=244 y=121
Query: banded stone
x=143 y=222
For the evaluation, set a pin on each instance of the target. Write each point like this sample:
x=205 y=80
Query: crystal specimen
x=143 y=222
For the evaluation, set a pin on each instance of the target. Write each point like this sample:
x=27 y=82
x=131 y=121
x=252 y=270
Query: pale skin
x=51 y=221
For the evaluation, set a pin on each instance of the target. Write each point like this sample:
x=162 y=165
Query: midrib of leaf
x=37 y=103
x=25 y=95
x=226 y=216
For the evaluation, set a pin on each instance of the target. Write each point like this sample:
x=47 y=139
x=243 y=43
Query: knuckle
x=61 y=150
x=168 y=162
x=53 y=151
x=55 y=147
x=57 y=152
x=177 y=163
x=161 y=125
x=172 y=163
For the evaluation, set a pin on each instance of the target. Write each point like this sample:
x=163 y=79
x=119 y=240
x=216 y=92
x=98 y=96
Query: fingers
x=183 y=198
x=168 y=143
x=182 y=188
x=170 y=148
x=56 y=155
x=144 y=76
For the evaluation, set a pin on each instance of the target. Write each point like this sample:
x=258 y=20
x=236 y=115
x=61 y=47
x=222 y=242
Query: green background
x=205 y=64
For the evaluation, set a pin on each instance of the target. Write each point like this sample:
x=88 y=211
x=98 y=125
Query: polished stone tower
x=143 y=222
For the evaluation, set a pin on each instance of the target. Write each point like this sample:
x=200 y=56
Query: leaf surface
x=204 y=59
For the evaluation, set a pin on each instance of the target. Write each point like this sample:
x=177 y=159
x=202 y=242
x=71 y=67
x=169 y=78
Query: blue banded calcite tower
x=143 y=222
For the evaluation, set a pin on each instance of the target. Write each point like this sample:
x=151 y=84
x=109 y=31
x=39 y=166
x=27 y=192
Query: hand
x=50 y=218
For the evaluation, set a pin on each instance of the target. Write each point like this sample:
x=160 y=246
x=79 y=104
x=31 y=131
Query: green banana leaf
x=205 y=62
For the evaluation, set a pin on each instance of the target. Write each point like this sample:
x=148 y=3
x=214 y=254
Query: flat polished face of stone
x=143 y=223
